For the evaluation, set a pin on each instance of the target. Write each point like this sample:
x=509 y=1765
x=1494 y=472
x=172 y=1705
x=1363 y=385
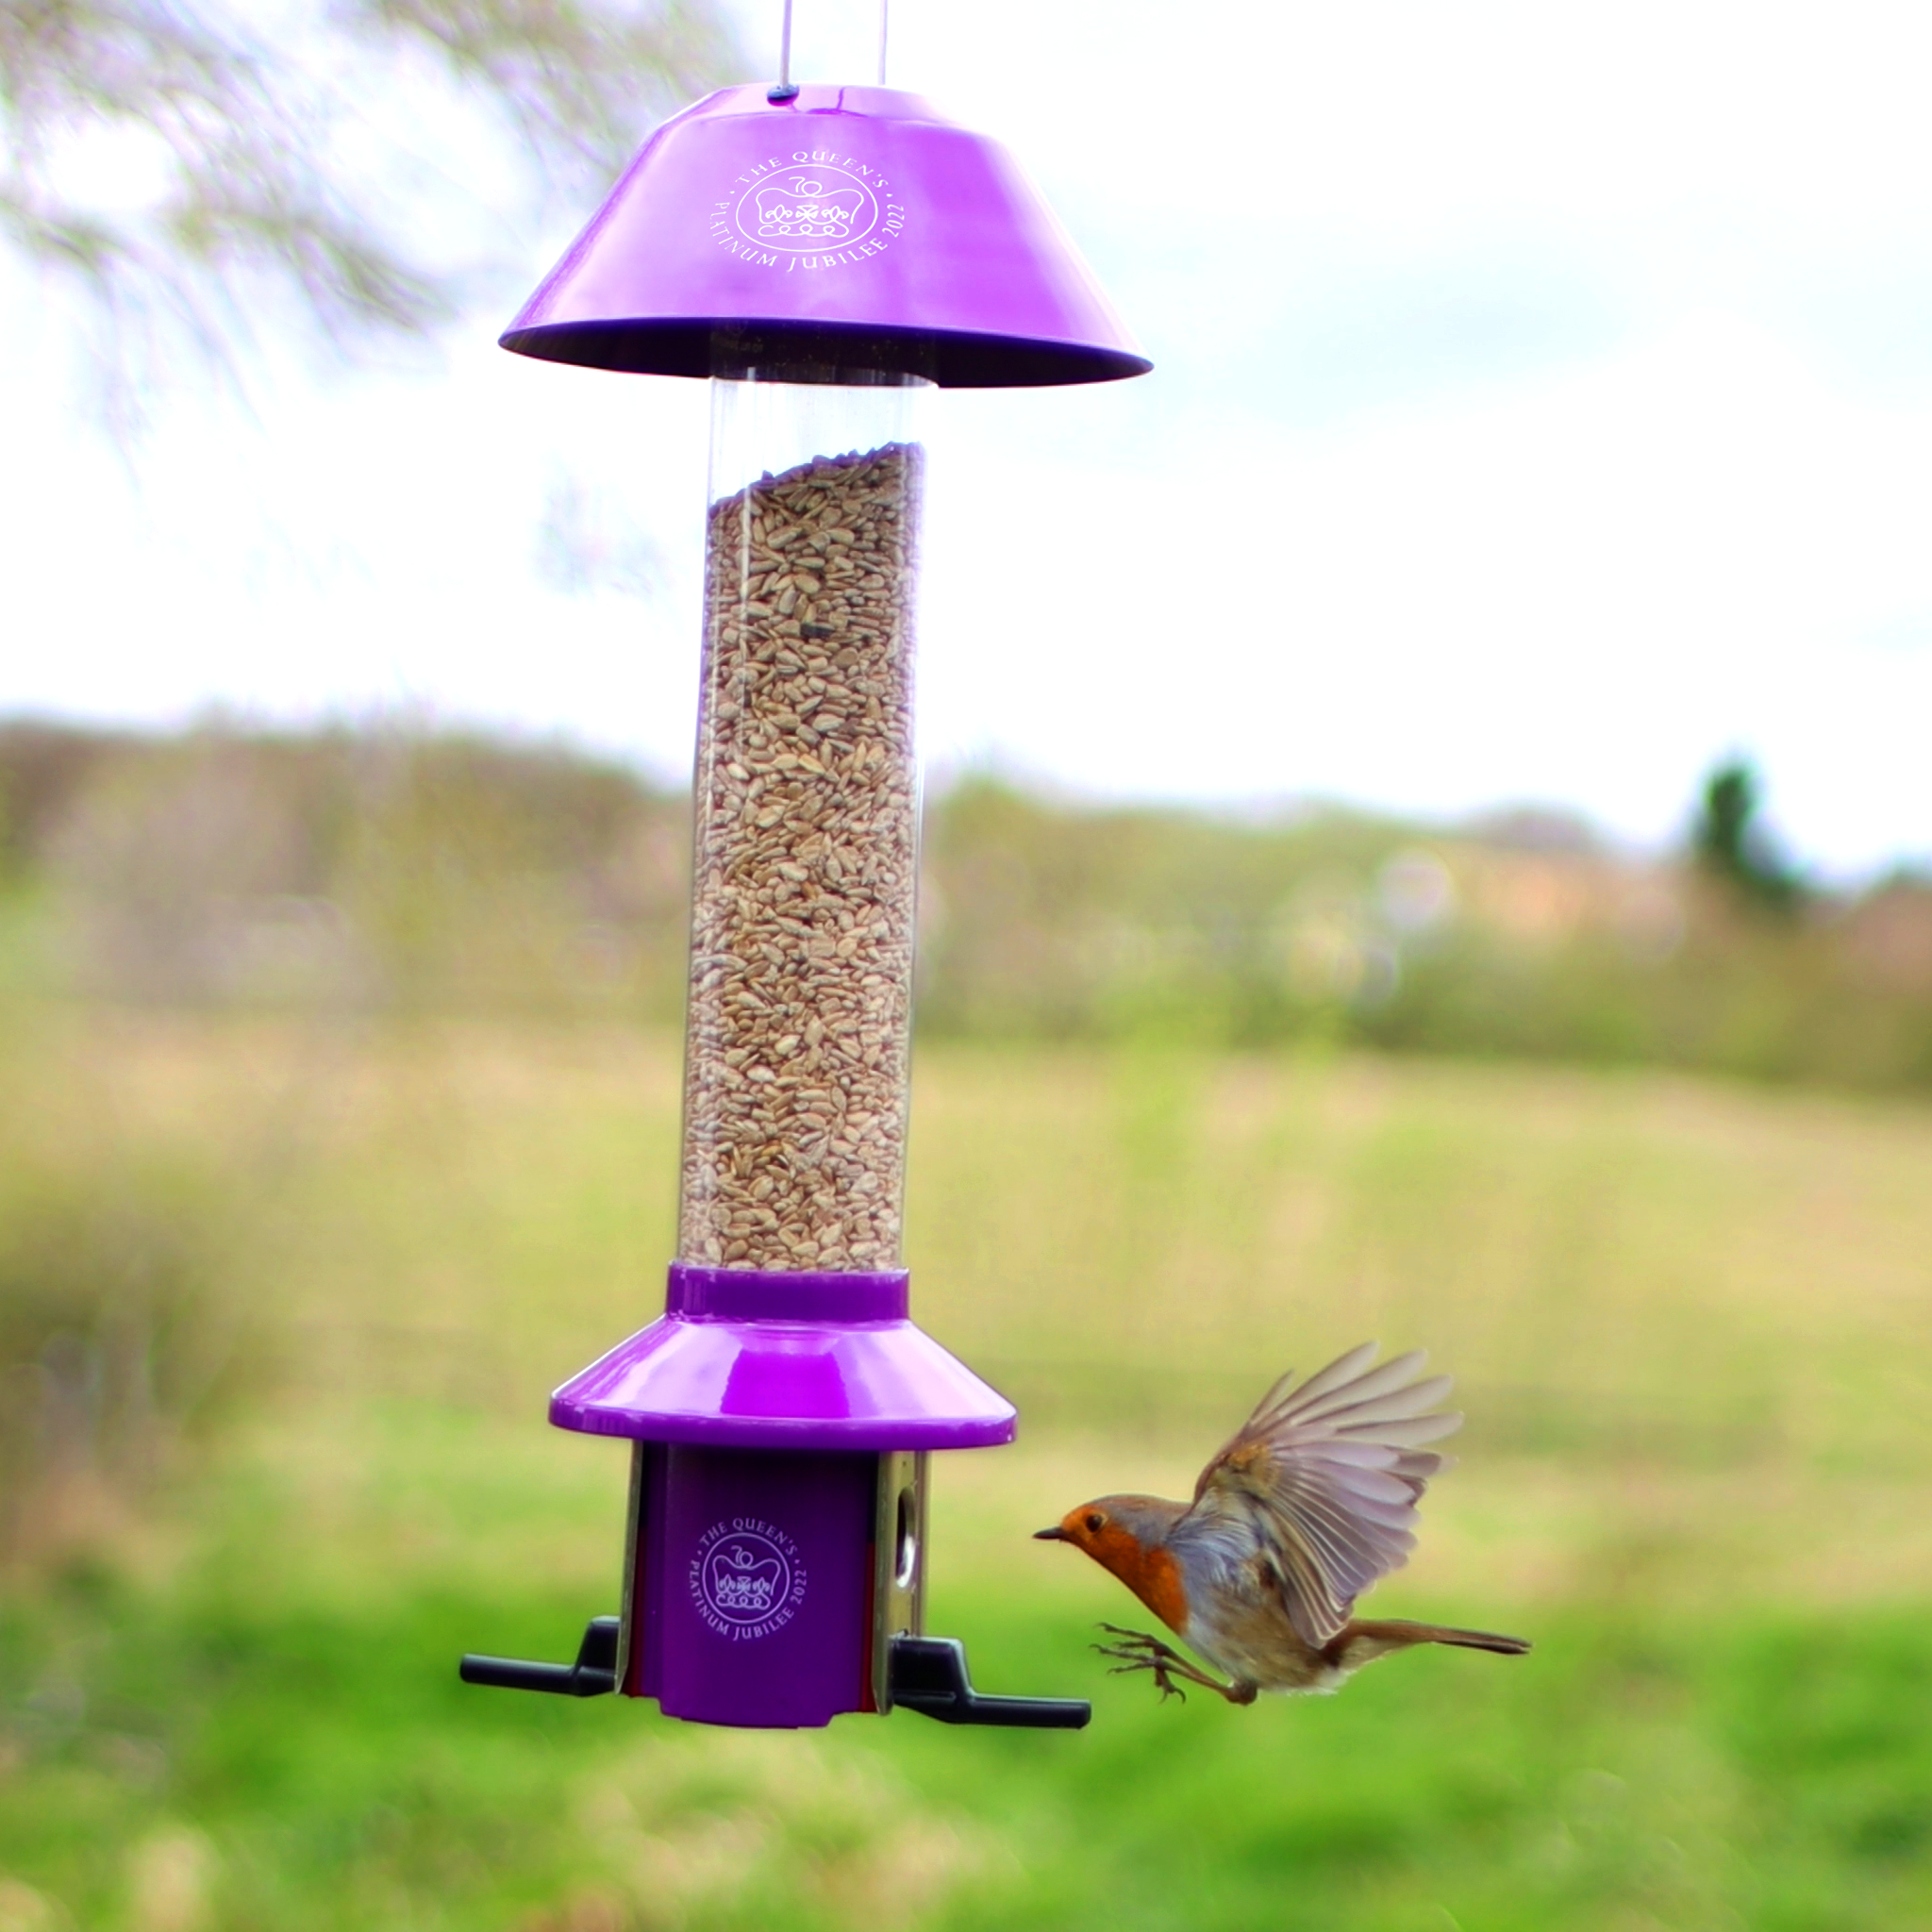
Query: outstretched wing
x=1325 y=1477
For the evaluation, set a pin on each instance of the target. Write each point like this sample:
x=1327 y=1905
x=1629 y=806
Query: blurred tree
x=166 y=155
x=1731 y=844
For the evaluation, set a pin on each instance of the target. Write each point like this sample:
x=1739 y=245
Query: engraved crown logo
x=740 y=1582
x=801 y=208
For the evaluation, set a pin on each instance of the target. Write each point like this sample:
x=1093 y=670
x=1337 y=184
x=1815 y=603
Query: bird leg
x=1137 y=1651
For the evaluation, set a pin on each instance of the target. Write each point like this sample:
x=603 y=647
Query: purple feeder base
x=774 y=1571
x=774 y=1414
x=752 y=1593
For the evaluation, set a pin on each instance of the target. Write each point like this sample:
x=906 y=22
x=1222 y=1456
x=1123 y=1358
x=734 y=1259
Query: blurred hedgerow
x=394 y=869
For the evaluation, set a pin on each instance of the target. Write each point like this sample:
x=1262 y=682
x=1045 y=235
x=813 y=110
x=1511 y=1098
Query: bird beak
x=1055 y=1535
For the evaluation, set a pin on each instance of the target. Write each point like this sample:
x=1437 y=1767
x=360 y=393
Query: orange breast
x=1152 y=1574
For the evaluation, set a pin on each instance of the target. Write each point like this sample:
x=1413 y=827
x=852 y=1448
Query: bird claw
x=1143 y=1653
x=1137 y=1640
x=1136 y=1661
x=1137 y=1651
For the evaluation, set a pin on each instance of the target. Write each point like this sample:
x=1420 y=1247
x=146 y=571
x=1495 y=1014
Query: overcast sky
x=1542 y=409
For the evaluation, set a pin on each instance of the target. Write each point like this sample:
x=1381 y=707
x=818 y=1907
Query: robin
x=1310 y=1503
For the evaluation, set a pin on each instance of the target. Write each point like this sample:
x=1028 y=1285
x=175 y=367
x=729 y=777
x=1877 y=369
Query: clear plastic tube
x=799 y=1014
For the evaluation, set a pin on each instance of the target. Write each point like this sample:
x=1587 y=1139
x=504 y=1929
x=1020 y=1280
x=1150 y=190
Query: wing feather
x=1337 y=1371
x=1345 y=1409
x=1412 y=1431
x=1396 y=1373
x=1325 y=1475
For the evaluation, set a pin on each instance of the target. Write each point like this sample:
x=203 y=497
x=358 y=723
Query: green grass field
x=1689 y=1325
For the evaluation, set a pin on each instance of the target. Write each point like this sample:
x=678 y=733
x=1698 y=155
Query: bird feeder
x=824 y=256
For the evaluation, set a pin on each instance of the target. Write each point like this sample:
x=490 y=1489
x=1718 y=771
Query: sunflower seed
x=800 y=1004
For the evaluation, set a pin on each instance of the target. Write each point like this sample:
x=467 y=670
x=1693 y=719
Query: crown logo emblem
x=812 y=212
x=747 y=1578
x=805 y=209
x=739 y=1585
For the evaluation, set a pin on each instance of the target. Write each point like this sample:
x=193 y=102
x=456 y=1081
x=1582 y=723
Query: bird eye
x=1095 y=1521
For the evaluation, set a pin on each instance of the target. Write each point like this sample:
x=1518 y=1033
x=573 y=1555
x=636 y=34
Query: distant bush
x=1730 y=841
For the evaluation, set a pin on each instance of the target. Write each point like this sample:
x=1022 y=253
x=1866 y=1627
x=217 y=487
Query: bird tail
x=1362 y=1644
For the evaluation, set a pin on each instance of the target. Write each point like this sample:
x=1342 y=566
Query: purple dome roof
x=847 y=226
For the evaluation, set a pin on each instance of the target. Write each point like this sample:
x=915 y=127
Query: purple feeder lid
x=848 y=225
x=746 y=1359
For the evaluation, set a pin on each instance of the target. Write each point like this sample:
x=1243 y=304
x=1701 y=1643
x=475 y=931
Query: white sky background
x=1542 y=409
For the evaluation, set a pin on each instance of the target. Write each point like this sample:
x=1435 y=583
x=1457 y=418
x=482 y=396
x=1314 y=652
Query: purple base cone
x=747 y=1359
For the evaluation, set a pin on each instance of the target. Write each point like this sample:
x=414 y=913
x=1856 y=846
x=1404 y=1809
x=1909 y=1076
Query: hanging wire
x=784 y=91
x=784 y=88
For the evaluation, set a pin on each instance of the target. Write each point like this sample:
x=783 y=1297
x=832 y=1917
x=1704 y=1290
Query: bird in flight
x=1313 y=1500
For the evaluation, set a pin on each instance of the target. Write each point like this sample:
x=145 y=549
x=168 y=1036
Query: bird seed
x=802 y=908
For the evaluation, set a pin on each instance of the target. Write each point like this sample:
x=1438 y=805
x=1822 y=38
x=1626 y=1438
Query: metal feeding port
x=824 y=257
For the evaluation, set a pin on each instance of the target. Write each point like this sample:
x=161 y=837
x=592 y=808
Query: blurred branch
x=221 y=147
